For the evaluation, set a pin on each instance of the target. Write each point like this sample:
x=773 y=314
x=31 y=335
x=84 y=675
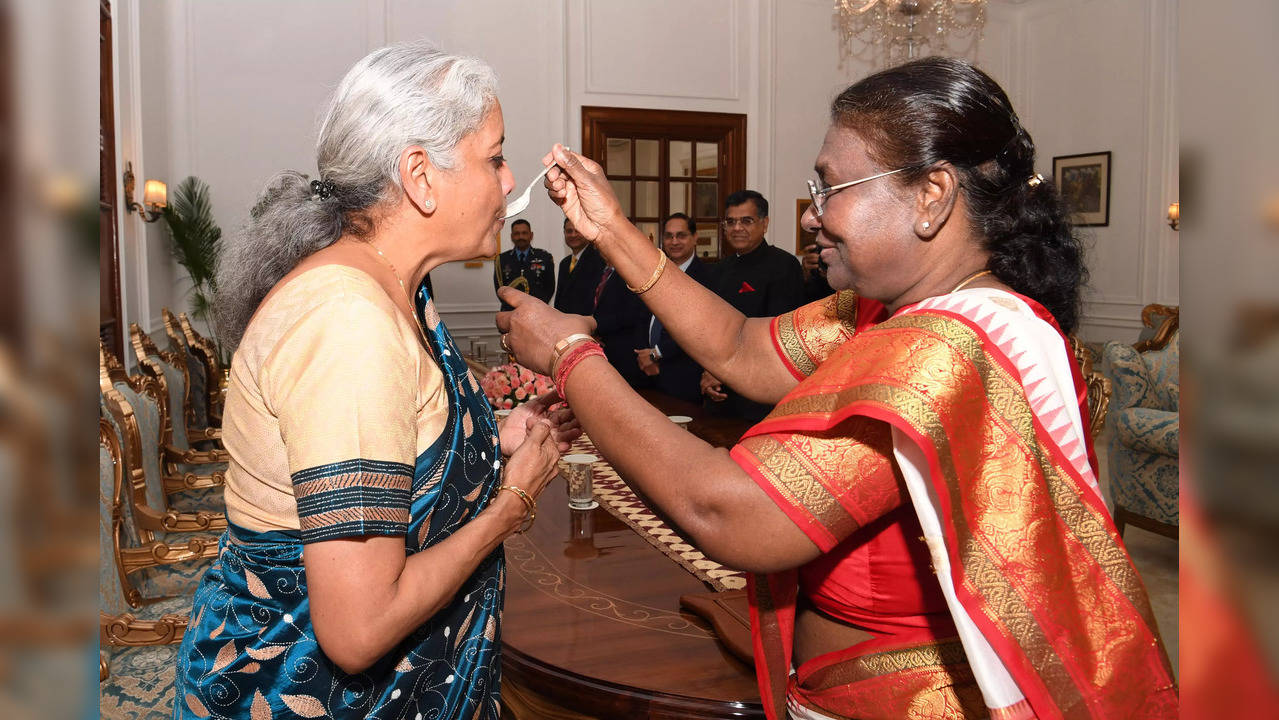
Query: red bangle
x=576 y=355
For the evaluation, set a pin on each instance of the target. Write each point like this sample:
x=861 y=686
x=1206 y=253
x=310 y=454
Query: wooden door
x=665 y=161
x=110 y=325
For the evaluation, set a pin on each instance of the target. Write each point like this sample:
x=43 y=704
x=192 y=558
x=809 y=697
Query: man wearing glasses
x=756 y=278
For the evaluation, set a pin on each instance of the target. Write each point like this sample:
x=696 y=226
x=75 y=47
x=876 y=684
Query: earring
x=926 y=225
x=429 y=205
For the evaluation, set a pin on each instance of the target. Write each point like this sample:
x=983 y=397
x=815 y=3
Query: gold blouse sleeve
x=343 y=384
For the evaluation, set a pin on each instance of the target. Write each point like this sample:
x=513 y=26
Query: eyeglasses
x=681 y=235
x=746 y=222
x=819 y=194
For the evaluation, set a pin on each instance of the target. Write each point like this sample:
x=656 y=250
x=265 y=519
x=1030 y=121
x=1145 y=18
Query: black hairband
x=322 y=189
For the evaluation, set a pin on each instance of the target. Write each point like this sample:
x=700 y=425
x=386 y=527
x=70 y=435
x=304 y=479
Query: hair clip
x=322 y=189
x=1035 y=180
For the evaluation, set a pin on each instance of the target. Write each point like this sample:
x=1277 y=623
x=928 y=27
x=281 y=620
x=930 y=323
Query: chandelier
x=906 y=29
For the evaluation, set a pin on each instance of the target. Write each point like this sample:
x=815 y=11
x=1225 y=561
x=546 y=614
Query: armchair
x=1144 y=446
x=133 y=405
x=198 y=410
x=207 y=350
x=1099 y=387
x=1160 y=322
x=138 y=652
x=185 y=467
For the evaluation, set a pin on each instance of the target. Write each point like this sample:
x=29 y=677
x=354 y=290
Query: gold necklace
x=407 y=296
x=969 y=279
x=394 y=272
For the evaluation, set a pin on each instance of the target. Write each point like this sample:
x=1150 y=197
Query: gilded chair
x=134 y=405
x=1099 y=387
x=184 y=466
x=197 y=410
x=1160 y=322
x=207 y=350
x=138 y=655
x=1144 y=447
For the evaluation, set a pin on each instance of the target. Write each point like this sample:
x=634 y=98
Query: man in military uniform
x=525 y=267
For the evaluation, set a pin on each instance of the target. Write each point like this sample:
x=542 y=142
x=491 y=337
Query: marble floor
x=1156 y=559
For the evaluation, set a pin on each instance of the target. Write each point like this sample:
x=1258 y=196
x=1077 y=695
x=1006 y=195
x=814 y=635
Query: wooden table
x=592 y=626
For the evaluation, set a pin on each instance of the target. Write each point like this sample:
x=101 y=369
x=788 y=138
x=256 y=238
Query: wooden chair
x=185 y=467
x=1099 y=387
x=198 y=416
x=163 y=503
x=207 y=350
x=138 y=656
x=1161 y=322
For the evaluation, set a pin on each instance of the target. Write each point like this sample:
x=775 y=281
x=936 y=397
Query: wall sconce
x=155 y=194
x=1174 y=216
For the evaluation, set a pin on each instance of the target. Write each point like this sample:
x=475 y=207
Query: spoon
x=520 y=204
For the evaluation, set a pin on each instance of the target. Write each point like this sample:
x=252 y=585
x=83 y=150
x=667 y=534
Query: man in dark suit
x=621 y=323
x=758 y=279
x=673 y=371
x=579 y=274
x=525 y=267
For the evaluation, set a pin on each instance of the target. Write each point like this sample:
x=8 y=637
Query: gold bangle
x=661 y=265
x=530 y=507
x=564 y=344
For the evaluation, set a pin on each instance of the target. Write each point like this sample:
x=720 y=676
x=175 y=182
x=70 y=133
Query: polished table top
x=592 y=618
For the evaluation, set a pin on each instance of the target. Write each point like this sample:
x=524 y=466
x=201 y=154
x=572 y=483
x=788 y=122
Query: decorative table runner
x=621 y=502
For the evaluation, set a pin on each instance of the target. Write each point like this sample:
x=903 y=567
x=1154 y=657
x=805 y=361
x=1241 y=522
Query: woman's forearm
x=699 y=488
x=366 y=596
x=735 y=349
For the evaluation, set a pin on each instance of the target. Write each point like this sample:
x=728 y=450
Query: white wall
x=230 y=91
x=1100 y=75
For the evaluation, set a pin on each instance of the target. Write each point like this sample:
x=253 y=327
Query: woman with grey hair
x=369 y=488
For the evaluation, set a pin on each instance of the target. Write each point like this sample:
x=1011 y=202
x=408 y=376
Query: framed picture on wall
x=1084 y=182
x=803 y=238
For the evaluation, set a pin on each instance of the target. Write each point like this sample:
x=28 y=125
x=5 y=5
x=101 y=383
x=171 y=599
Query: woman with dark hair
x=921 y=509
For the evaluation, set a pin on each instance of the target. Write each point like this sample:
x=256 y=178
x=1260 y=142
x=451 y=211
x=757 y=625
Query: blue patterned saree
x=251 y=651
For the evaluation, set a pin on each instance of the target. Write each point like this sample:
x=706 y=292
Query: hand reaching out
x=712 y=387
x=563 y=423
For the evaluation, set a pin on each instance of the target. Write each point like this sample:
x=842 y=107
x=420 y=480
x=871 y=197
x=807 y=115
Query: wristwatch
x=563 y=345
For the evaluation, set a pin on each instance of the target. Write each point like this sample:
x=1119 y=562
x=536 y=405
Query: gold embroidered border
x=796 y=482
x=788 y=341
x=329 y=518
x=946 y=652
x=1006 y=395
x=1004 y=602
x=1007 y=398
x=809 y=335
x=328 y=483
x=777 y=672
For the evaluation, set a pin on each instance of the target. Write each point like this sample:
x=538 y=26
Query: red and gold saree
x=987 y=418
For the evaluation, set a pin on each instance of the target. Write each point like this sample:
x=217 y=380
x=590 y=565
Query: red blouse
x=879 y=579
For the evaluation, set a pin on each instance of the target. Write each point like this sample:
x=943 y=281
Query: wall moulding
x=716 y=53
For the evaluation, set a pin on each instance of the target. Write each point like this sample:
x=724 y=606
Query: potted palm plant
x=197 y=241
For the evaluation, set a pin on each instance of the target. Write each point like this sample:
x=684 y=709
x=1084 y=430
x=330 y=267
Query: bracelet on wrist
x=575 y=356
x=652 y=280
x=530 y=507
x=561 y=347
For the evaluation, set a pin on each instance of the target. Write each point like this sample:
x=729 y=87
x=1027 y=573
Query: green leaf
x=197 y=240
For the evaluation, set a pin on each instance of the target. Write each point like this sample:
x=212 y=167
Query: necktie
x=572 y=263
x=608 y=273
x=654 y=332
